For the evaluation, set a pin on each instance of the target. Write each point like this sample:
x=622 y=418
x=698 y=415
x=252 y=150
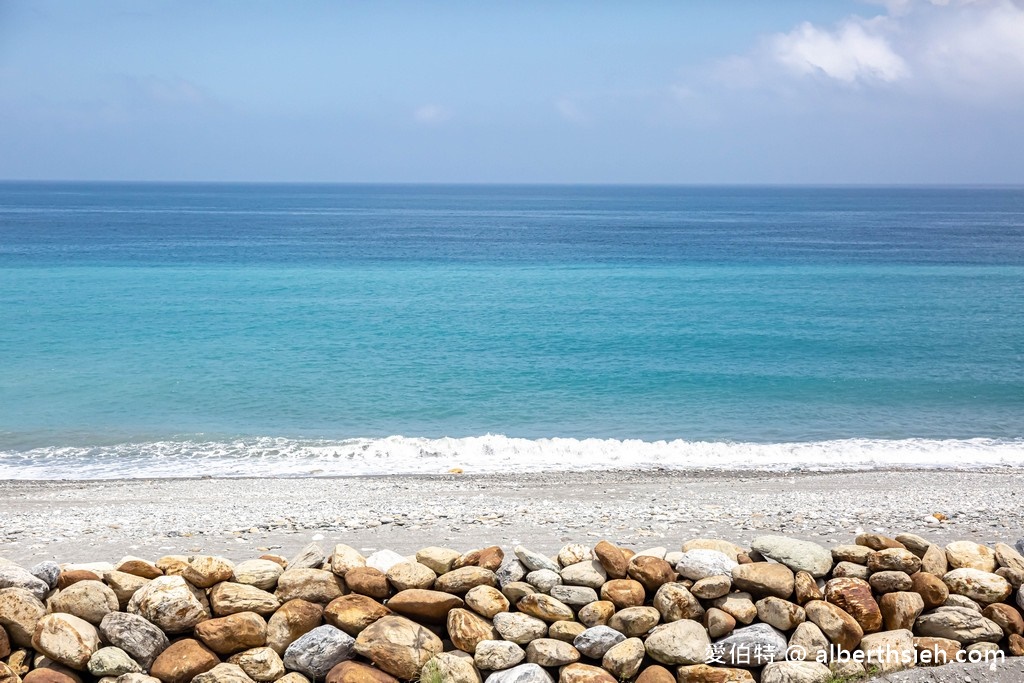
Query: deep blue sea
x=195 y=329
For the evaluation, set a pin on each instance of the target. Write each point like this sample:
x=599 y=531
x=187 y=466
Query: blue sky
x=904 y=91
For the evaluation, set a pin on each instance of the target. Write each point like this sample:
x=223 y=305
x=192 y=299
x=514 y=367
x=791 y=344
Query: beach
x=84 y=521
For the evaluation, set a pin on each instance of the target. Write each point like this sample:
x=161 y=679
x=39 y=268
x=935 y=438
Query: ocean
x=154 y=330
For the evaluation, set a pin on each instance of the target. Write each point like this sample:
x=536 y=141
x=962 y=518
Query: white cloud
x=431 y=114
x=853 y=52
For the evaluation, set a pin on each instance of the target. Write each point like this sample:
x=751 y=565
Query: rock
x=651 y=572
x=935 y=651
x=960 y=624
x=574 y=596
x=597 y=640
x=318 y=651
x=354 y=612
x=543 y=580
x=5 y=644
x=1007 y=617
x=894 y=559
x=534 y=561
x=311 y=585
x=66 y=639
x=1015 y=645
x=296 y=618
x=796 y=672
x=701 y=563
x=48 y=571
x=170 y=603
x=353 y=672
x=805 y=588
x=751 y=646
x=680 y=642
x=233 y=633
x=656 y=673
x=900 y=610
x=452 y=667
x=47 y=675
x=589 y=573
x=112 y=661
x=310 y=557
x=262 y=574
x=545 y=607
x=230 y=598
x=406 y=575
x=739 y=606
x=124 y=586
x=20 y=611
x=970 y=555
x=808 y=643
x=1015 y=577
x=985 y=649
x=711 y=587
x=383 y=560
x=931 y=589
x=204 y=571
x=889 y=651
x=488 y=558
x=183 y=660
x=854 y=596
x=142 y=640
x=346 y=557
x=519 y=628
x=69 y=577
x=857 y=554
x=460 y=581
x=781 y=614
x=878 y=542
x=293 y=677
x=565 y=631
x=584 y=673
x=674 y=602
x=12 y=576
x=978 y=585
x=427 y=605
x=764 y=578
x=634 y=621
x=596 y=613
x=223 y=673
x=914 y=543
x=702 y=673
x=494 y=655
x=510 y=571
x=398 y=646
x=437 y=560
x=486 y=601
x=573 y=553
x=718 y=623
x=955 y=600
x=368 y=581
x=934 y=561
x=890 y=582
x=837 y=625
x=138 y=567
x=88 y=600
x=261 y=664
x=612 y=560
x=524 y=673
x=622 y=660
x=1006 y=556
x=731 y=550
x=797 y=555
x=466 y=630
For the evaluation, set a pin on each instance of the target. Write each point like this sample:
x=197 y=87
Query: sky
x=787 y=91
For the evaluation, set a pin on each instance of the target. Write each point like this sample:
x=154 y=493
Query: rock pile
x=780 y=611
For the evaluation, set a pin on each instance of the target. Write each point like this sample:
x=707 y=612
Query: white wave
x=280 y=457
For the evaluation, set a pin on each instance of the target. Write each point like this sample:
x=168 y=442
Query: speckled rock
x=317 y=652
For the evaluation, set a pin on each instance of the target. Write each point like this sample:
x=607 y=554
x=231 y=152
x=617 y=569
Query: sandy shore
x=104 y=520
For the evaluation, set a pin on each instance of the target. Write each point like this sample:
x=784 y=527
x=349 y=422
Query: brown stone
x=934 y=561
x=584 y=673
x=782 y=614
x=353 y=672
x=651 y=572
x=426 y=605
x=459 y=581
x=805 y=588
x=233 y=633
x=139 y=567
x=673 y=601
x=545 y=607
x=398 y=646
x=711 y=587
x=894 y=559
x=20 y=611
x=368 y=581
x=623 y=593
x=935 y=651
x=1015 y=645
x=124 y=586
x=739 y=605
x=1014 y=576
x=656 y=673
x=311 y=585
x=204 y=571
x=900 y=610
x=354 y=612
x=486 y=601
x=66 y=639
x=466 y=629
x=490 y=558
x=854 y=596
x=5 y=643
x=702 y=673
x=406 y=575
x=890 y=582
x=230 y=598
x=73 y=576
x=931 y=588
x=634 y=621
x=612 y=558
x=596 y=613
x=837 y=625
x=47 y=675
x=857 y=554
x=764 y=578
x=718 y=622
x=296 y=618
x=182 y=661
x=566 y=631
x=878 y=542
x=1008 y=618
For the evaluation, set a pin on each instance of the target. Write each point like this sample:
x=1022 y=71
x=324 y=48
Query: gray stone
x=543 y=579
x=495 y=655
x=574 y=596
x=510 y=571
x=141 y=639
x=754 y=645
x=960 y=624
x=46 y=571
x=588 y=573
x=597 y=640
x=317 y=652
x=13 y=576
x=534 y=561
x=310 y=557
x=112 y=661
x=702 y=563
x=797 y=555
x=524 y=673
x=518 y=627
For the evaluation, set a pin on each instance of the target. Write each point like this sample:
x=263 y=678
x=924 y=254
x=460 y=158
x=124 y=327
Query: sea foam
x=281 y=457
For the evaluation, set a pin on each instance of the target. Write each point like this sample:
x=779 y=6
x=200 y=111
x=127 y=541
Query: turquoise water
x=189 y=324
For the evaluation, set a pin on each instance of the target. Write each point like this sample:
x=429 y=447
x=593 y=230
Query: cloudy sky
x=788 y=91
